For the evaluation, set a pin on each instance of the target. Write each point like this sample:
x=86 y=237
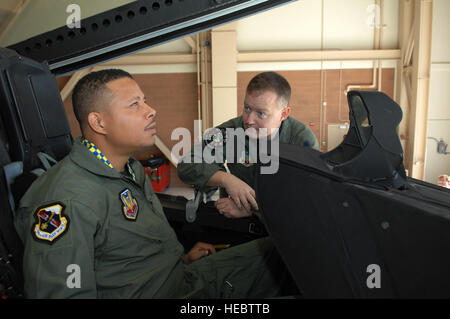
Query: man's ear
x=285 y=113
x=96 y=122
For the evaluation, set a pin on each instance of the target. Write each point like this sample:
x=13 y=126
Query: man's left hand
x=199 y=250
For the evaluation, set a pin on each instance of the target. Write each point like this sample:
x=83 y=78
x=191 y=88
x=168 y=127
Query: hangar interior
x=323 y=47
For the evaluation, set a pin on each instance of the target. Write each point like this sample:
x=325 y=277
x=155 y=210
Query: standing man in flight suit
x=266 y=110
x=92 y=227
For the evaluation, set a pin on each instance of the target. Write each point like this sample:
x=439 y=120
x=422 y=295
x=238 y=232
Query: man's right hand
x=240 y=192
x=228 y=208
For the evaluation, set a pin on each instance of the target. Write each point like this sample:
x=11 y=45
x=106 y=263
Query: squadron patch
x=51 y=224
x=245 y=159
x=130 y=206
x=215 y=137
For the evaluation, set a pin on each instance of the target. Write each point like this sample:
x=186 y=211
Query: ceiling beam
x=68 y=88
x=300 y=56
x=191 y=43
x=262 y=57
x=153 y=59
x=131 y=28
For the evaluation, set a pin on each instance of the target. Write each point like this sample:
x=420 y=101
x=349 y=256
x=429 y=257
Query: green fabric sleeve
x=193 y=170
x=64 y=266
x=303 y=136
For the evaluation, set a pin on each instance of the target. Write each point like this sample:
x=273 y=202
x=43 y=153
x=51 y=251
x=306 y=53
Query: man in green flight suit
x=265 y=115
x=92 y=227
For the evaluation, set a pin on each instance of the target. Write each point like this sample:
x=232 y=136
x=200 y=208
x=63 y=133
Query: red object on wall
x=158 y=169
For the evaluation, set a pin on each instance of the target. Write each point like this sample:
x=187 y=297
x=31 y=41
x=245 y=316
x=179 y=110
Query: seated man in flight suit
x=92 y=227
x=266 y=110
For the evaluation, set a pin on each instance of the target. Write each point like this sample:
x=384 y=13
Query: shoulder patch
x=215 y=137
x=130 y=206
x=246 y=160
x=50 y=224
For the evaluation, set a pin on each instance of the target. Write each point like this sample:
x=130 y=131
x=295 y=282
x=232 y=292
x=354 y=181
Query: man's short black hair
x=271 y=81
x=88 y=91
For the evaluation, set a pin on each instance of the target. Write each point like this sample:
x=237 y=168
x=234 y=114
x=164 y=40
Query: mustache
x=150 y=124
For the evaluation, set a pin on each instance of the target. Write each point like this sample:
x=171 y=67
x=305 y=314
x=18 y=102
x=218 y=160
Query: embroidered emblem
x=130 y=206
x=215 y=137
x=245 y=159
x=51 y=223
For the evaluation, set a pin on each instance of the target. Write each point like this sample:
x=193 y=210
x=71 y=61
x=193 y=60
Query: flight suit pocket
x=227 y=290
x=134 y=241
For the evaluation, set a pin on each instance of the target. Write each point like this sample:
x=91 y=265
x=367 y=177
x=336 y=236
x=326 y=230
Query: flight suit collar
x=285 y=130
x=87 y=160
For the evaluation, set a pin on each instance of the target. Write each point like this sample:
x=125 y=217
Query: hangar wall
x=174 y=96
x=303 y=27
x=439 y=100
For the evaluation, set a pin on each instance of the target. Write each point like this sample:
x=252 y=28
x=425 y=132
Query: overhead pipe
x=321 y=116
x=199 y=89
x=376 y=46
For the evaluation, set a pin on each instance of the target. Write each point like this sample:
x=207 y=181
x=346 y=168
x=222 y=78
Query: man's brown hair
x=271 y=81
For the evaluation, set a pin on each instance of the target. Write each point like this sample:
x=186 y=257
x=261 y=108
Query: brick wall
x=306 y=96
x=174 y=96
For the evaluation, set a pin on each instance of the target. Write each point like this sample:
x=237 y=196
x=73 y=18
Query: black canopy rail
x=131 y=28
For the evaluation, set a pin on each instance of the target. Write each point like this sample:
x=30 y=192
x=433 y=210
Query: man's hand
x=199 y=250
x=228 y=208
x=240 y=192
